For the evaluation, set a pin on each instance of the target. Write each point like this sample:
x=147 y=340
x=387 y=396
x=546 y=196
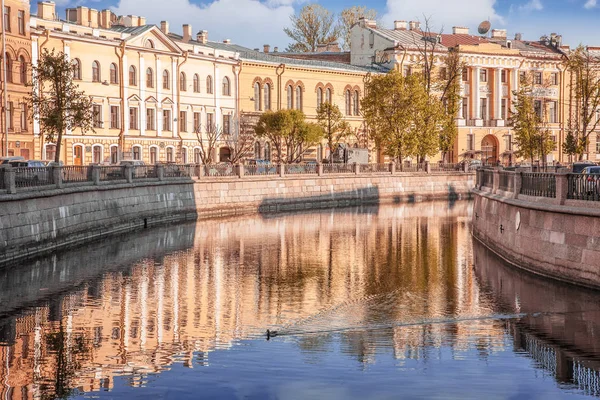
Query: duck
x=271 y=334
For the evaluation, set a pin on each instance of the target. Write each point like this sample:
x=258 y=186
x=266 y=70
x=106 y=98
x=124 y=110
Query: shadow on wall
x=27 y=283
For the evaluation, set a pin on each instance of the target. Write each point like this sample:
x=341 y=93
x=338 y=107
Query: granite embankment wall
x=33 y=222
x=549 y=234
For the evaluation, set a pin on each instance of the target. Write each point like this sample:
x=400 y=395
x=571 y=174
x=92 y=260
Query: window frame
x=132 y=75
x=150 y=119
x=209 y=84
x=226 y=86
x=134 y=123
x=149 y=78
x=21 y=22
x=114 y=74
x=96 y=71
x=182 y=82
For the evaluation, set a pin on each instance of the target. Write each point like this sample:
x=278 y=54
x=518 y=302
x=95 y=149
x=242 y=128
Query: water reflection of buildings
x=234 y=278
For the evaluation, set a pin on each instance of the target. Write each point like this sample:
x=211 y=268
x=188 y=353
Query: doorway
x=78 y=155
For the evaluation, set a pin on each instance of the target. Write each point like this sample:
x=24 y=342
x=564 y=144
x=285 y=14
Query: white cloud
x=247 y=22
x=590 y=4
x=533 y=5
x=446 y=13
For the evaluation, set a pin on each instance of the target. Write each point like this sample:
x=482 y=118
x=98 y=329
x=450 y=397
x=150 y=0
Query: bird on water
x=271 y=334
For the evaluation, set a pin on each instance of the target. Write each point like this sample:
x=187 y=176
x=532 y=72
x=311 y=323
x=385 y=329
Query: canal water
x=374 y=302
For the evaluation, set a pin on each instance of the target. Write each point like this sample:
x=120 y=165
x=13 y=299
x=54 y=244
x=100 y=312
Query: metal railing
x=374 y=168
x=76 y=173
x=507 y=181
x=445 y=167
x=2 y=186
x=338 y=168
x=30 y=177
x=144 y=172
x=583 y=187
x=220 y=170
x=257 y=170
x=298 y=169
x=178 y=171
x=112 y=173
x=420 y=167
x=538 y=184
x=486 y=178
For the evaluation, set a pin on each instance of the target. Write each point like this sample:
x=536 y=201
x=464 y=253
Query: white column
x=175 y=115
x=498 y=94
x=514 y=86
x=158 y=100
x=217 y=96
x=476 y=96
x=142 y=104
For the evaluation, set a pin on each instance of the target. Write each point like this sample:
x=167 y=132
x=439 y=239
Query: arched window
x=197 y=157
x=356 y=103
x=153 y=155
x=132 y=76
x=95 y=71
x=114 y=154
x=328 y=95
x=9 y=71
x=290 y=97
x=182 y=82
x=257 y=150
x=196 y=83
x=114 y=73
x=184 y=155
x=149 y=44
x=96 y=154
x=348 y=99
x=76 y=69
x=137 y=152
x=169 y=154
x=209 y=84
x=298 y=98
x=319 y=97
x=226 y=88
x=166 y=82
x=257 y=98
x=149 y=78
x=268 y=151
x=267 y=96
x=23 y=70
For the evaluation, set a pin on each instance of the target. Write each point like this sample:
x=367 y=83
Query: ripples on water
x=372 y=302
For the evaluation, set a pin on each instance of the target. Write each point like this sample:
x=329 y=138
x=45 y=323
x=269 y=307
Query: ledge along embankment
x=35 y=220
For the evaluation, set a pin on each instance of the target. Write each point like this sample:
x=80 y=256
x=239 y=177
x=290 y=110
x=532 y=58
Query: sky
x=253 y=23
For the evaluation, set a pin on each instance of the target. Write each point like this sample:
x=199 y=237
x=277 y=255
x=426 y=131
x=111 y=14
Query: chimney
x=333 y=47
x=46 y=10
x=142 y=21
x=83 y=14
x=518 y=36
x=135 y=20
x=275 y=49
x=187 y=32
x=164 y=27
x=414 y=25
x=93 y=17
x=202 y=37
x=399 y=25
x=105 y=19
x=227 y=41
x=266 y=48
x=498 y=33
x=460 y=30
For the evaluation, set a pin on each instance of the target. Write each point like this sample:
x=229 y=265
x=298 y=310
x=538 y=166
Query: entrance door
x=78 y=155
x=489 y=149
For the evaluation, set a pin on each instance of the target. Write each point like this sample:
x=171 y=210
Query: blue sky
x=256 y=22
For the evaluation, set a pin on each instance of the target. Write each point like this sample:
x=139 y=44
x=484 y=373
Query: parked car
x=592 y=179
x=119 y=173
x=30 y=171
x=8 y=160
x=472 y=163
x=579 y=166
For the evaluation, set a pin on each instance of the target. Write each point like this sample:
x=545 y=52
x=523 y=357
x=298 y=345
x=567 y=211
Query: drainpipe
x=177 y=79
x=4 y=89
x=121 y=50
x=280 y=67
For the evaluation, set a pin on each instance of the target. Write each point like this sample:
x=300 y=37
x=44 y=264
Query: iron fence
x=256 y=170
x=374 y=168
x=112 y=173
x=76 y=173
x=338 y=168
x=583 y=187
x=2 y=185
x=538 y=184
x=507 y=181
x=298 y=169
x=144 y=171
x=29 y=177
x=178 y=171
x=406 y=167
x=445 y=167
x=220 y=170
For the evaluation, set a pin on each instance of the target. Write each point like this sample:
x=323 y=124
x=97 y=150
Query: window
x=150 y=119
x=503 y=76
x=182 y=82
x=76 y=69
x=114 y=74
x=257 y=150
x=522 y=76
x=299 y=98
x=197 y=122
x=169 y=154
x=465 y=74
x=319 y=97
x=552 y=112
x=483 y=75
x=267 y=102
x=21 y=22
x=503 y=109
x=166 y=84
x=267 y=151
x=137 y=152
x=166 y=120
x=197 y=157
x=23 y=117
x=114 y=117
x=598 y=144
x=348 y=103
x=50 y=151
x=9 y=66
x=133 y=118
x=183 y=121
x=196 y=83
x=149 y=78
x=554 y=78
x=132 y=76
x=537 y=78
x=149 y=44
x=97 y=116
x=226 y=89
x=96 y=154
x=328 y=94
x=290 y=97
x=226 y=124
x=114 y=154
x=257 y=97
x=483 y=109
x=508 y=142
x=153 y=155
x=184 y=153
x=209 y=84
x=22 y=70
x=7 y=19
x=537 y=107
x=465 y=108
x=470 y=142
x=95 y=71
x=210 y=121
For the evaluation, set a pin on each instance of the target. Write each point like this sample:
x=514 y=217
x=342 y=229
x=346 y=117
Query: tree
x=289 y=133
x=585 y=95
x=241 y=140
x=350 y=16
x=57 y=103
x=449 y=85
x=208 y=142
x=427 y=116
x=334 y=127
x=311 y=27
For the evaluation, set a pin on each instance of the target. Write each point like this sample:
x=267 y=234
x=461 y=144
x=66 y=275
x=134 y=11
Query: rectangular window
x=10 y=113
x=470 y=143
x=21 y=22
x=503 y=76
x=465 y=108
x=598 y=144
x=554 y=78
x=23 y=117
x=150 y=118
x=114 y=117
x=552 y=112
x=537 y=78
x=166 y=120
x=537 y=107
x=97 y=116
x=553 y=138
x=226 y=124
x=508 y=142
x=483 y=75
x=503 y=109
x=7 y=19
x=210 y=121
x=465 y=74
x=133 y=118
x=483 y=109
x=197 y=121
x=183 y=121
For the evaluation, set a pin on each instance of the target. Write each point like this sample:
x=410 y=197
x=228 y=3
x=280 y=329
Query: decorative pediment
x=167 y=100
x=134 y=98
x=151 y=99
x=153 y=38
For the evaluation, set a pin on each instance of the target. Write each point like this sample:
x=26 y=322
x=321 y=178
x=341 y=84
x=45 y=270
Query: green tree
x=289 y=133
x=427 y=117
x=57 y=103
x=313 y=25
x=350 y=16
x=334 y=127
x=449 y=85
